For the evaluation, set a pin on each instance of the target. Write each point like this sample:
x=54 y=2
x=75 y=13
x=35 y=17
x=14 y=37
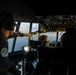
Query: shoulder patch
x=4 y=52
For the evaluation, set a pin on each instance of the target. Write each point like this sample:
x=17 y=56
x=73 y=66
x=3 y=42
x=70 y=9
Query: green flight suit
x=3 y=54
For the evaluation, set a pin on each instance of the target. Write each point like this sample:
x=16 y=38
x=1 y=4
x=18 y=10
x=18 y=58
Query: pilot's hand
x=17 y=33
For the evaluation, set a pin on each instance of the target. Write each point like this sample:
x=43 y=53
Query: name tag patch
x=4 y=52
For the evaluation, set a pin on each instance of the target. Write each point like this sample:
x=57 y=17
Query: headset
x=7 y=21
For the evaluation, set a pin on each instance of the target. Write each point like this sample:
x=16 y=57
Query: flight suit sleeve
x=3 y=57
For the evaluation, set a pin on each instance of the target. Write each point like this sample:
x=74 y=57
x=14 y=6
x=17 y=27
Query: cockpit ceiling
x=58 y=22
x=20 y=9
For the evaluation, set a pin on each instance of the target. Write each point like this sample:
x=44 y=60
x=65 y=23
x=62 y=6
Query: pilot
x=45 y=40
x=68 y=39
x=7 y=25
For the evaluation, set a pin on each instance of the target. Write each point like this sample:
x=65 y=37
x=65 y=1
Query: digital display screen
x=26 y=48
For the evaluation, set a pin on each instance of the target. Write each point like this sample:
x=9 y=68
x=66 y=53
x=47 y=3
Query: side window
x=60 y=34
x=10 y=45
x=22 y=41
x=35 y=27
x=24 y=27
x=35 y=37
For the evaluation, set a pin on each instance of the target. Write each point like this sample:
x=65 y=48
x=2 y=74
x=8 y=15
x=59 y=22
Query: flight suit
x=3 y=54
